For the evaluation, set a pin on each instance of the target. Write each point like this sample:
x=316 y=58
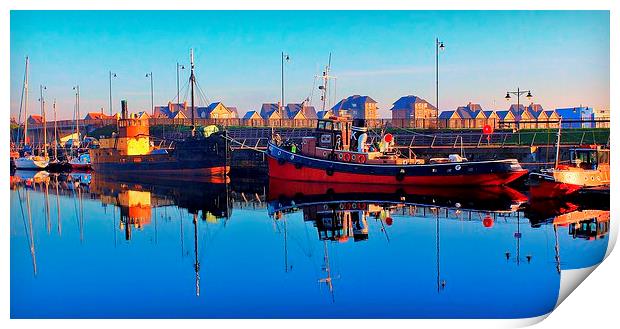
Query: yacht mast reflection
x=138 y=198
x=340 y=211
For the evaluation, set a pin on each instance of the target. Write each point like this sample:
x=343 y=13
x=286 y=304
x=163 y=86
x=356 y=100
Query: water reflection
x=177 y=249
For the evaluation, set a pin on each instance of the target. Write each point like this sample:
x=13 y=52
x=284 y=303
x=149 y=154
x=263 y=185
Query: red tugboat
x=338 y=152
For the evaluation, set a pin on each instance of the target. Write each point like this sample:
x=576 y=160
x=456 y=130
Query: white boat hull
x=32 y=163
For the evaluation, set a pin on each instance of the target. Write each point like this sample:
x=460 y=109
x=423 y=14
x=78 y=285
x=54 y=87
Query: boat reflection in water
x=176 y=249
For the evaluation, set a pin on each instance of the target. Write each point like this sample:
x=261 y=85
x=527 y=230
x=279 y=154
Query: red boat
x=338 y=152
x=589 y=167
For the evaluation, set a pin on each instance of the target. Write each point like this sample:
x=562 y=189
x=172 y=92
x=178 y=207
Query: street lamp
x=285 y=57
x=518 y=93
x=182 y=67
x=150 y=75
x=438 y=46
x=112 y=75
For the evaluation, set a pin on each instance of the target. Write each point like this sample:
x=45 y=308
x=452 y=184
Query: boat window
x=321 y=125
x=328 y=125
x=584 y=159
x=603 y=157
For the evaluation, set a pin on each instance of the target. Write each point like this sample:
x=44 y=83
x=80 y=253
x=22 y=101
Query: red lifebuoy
x=487 y=129
x=347 y=157
x=361 y=158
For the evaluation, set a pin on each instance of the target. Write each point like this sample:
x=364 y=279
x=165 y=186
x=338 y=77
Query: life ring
x=361 y=158
x=324 y=153
x=457 y=167
x=354 y=205
x=339 y=156
x=353 y=158
x=347 y=157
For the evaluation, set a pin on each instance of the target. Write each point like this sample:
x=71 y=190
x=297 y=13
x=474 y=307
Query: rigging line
x=201 y=94
x=21 y=103
x=311 y=95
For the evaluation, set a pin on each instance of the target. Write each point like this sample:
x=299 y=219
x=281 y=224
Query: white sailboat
x=29 y=161
x=79 y=161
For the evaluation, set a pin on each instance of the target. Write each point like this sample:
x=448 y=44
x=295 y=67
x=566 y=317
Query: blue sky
x=562 y=56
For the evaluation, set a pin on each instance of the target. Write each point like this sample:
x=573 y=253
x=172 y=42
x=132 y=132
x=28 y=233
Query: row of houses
x=406 y=108
x=520 y=116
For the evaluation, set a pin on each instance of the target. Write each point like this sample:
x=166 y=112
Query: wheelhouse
x=333 y=133
x=589 y=229
x=588 y=158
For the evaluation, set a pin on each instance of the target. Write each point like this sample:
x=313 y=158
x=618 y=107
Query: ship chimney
x=123 y=109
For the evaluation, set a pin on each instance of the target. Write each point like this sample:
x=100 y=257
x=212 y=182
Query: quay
x=533 y=147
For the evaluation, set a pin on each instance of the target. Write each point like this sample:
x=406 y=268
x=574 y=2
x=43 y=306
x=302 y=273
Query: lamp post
x=112 y=75
x=182 y=67
x=285 y=57
x=518 y=93
x=438 y=46
x=150 y=75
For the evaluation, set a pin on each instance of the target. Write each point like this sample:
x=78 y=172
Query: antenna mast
x=325 y=82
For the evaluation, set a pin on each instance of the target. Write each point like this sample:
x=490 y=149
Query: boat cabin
x=339 y=222
x=333 y=133
x=589 y=158
x=591 y=229
x=339 y=139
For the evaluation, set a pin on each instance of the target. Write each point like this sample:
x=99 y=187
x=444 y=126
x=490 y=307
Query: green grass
x=569 y=136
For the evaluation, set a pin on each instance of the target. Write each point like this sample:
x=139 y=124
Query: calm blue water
x=113 y=249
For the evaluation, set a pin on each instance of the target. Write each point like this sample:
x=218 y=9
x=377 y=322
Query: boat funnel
x=123 y=109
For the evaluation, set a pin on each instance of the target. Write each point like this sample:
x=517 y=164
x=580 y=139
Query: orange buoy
x=361 y=158
x=487 y=221
x=388 y=138
x=347 y=157
x=389 y=221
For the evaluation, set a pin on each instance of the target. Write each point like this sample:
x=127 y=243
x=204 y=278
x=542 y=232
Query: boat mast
x=31 y=234
x=77 y=116
x=26 y=104
x=44 y=121
x=325 y=82
x=196 y=262
x=192 y=81
x=55 y=133
x=557 y=146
